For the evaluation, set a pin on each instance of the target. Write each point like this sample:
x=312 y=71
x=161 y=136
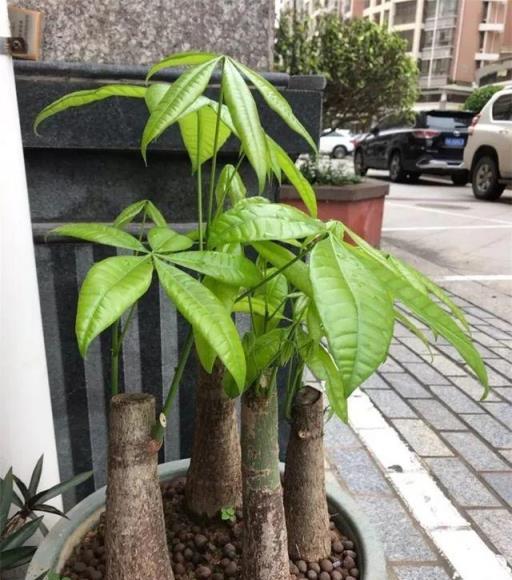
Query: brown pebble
x=354 y=572
x=302 y=566
x=200 y=541
x=311 y=575
x=178 y=557
x=324 y=576
x=188 y=553
x=337 y=547
x=231 y=569
x=348 y=544
x=179 y=568
x=326 y=565
x=203 y=572
x=293 y=569
x=315 y=566
x=336 y=575
x=218 y=576
x=350 y=553
x=348 y=562
x=79 y=567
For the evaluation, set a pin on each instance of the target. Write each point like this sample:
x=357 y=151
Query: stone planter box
x=359 y=205
x=66 y=534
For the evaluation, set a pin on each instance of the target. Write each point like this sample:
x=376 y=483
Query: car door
x=502 y=136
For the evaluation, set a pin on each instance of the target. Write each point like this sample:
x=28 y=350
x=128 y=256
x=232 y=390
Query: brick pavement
x=465 y=443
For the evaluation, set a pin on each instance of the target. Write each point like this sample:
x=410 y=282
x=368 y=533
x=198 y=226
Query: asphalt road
x=464 y=243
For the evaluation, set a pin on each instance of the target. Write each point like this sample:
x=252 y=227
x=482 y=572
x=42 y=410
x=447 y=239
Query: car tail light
x=474 y=122
x=426 y=133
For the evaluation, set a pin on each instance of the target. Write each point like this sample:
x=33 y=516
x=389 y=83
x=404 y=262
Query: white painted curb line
x=450 y=531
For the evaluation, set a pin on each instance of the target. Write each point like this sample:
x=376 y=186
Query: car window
x=447 y=122
x=502 y=109
x=396 y=121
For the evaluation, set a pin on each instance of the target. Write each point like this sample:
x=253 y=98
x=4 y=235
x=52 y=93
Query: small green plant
x=15 y=529
x=228 y=514
x=479 y=97
x=325 y=171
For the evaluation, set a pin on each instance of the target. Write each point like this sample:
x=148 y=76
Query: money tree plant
x=316 y=296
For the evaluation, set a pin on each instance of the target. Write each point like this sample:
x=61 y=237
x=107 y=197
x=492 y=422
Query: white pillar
x=26 y=422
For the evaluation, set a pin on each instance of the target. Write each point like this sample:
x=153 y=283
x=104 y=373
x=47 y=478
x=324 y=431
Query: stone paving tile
x=502 y=324
x=407 y=386
x=502 y=483
x=403 y=354
x=340 y=435
x=491 y=430
x=417 y=345
x=445 y=366
x=390 y=366
x=375 y=382
x=497 y=526
x=402 y=540
x=421 y=438
x=498 y=380
x=437 y=414
x=420 y=573
x=502 y=411
x=485 y=339
x=505 y=392
x=501 y=365
x=503 y=351
x=426 y=374
x=461 y=483
x=455 y=399
x=493 y=331
x=473 y=388
x=475 y=311
x=476 y=453
x=507 y=454
x=390 y=404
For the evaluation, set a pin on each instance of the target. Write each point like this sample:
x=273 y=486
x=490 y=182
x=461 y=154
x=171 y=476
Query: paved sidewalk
x=465 y=444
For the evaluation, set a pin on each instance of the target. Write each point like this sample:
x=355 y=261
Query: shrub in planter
x=334 y=314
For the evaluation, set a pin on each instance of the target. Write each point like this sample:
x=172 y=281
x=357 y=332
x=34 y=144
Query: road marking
x=442 y=211
x=476 y=278
x=449 y=530
x=440 y=228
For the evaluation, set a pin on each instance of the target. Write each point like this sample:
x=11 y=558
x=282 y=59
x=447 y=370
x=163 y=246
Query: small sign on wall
x=26 y=32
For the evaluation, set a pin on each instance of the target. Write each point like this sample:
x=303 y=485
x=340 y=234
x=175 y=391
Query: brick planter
x=358 y=205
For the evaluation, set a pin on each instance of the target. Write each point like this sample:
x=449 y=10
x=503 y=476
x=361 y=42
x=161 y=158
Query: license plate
x=454 y=142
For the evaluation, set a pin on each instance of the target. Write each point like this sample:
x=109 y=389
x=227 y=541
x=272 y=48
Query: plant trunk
x=135 y=537
x=305 y=502
x=214 y=479
x=265 y=553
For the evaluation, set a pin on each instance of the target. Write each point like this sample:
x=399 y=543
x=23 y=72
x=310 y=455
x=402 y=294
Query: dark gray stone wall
x=143 y=31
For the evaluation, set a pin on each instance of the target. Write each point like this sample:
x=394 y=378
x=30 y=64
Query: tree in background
x=369 y=73
x=479 y=97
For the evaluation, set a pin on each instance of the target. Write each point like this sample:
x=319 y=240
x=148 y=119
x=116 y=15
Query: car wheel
x=339 y=152
x=396 y=171
x=485 y=179
x=413 y=177
x=460 y=179
x=359 y=166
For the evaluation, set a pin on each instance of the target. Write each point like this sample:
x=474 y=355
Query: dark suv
x=409 y=145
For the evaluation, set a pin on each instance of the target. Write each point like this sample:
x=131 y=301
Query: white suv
x=337 y=143
x=488 y=152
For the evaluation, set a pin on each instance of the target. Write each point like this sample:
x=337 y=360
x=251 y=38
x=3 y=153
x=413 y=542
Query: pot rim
x=56 y=547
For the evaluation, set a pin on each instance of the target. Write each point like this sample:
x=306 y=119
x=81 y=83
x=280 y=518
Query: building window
x=405 y=12
x=444 y=37
x=440 y=67
x=446 y=8
x=408 y=36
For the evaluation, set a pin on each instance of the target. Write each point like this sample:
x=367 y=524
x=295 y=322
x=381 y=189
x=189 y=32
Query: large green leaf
x=110 y=287
x=20 y=536
x=6 y=498
x=234 y=270
x=296 y=271
x=81 y=98
x=246 y=120
x=163 y=240
x=295 y=177
x=181 y=59
x=101 y=234
x=273 y=294
x=207 y=316
x=176 y=100
x=355 y=309
x=17 y=557
x=250 y=222
x=277 y=103
x=129 y=213
x=59 y=489
x=230 y=185
x=35 y=478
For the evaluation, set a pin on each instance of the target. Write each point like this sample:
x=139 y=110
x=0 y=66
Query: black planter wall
x=86 y=166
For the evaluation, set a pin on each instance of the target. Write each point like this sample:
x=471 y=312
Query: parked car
x=411 y=144
x=336 y=142
x=488 y=153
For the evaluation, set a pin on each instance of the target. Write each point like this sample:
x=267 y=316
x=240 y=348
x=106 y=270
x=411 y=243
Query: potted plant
x=334 y=313
x=356 y=201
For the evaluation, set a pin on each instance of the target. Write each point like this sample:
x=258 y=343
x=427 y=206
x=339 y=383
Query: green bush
x=479 y=97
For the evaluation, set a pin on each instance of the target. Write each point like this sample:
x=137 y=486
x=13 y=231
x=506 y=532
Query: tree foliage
x=479 y=97
x=368 y=70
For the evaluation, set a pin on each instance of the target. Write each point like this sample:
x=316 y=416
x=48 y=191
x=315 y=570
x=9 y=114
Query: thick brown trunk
x=135 y=538
x=214 y=479
x=265 y=554
x=307 y=517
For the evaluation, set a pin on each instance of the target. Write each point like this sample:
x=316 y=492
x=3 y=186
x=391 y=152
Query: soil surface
x=211 y=550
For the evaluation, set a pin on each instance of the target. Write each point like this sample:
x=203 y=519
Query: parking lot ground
x=428 y=461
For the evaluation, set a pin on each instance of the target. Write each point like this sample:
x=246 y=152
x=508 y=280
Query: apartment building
x=452 y=39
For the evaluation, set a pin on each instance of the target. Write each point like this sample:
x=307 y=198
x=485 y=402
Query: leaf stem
x=199 y=184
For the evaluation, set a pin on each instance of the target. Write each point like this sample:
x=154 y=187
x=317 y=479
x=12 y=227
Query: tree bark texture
x=307 y=516
x=265 y=549
x=214 y=479
x=135 y=538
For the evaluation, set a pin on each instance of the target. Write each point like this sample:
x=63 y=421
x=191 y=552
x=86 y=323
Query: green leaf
x=355 y=309
x=163 y=239
x=110 y=287
x=301 y=184
x=314 y=323
x=60 y=488
x=250 y=222
x=274 y=294
x=181 y=59
x=407 y=322
x=155 y=215
x=295 y=271
x=81 y=98
x=49 y=509
x=277 y=103
x=235 y=270
x=180 y=95
x=129 y=213
x=6 y=498
x=22 y=487
x=101 y=234
x=17 y=557
x=207 y=315
x=20 y=536
x=36 y=476
x=246 y=120
x=230 y=185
